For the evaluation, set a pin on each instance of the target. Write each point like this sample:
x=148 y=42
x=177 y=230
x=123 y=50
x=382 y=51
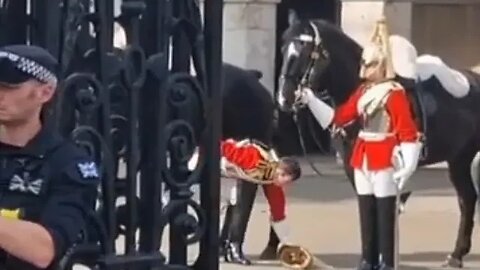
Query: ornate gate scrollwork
x=141 y=113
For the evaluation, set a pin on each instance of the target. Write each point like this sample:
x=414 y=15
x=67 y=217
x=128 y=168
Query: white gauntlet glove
x=304 y=96
x=410 y=152
x=322 y=112
x=282 y=230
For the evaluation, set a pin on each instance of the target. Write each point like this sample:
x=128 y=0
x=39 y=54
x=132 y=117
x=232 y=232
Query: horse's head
x=317 y=55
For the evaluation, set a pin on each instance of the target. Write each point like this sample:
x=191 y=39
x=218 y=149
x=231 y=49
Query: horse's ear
x=292 y=17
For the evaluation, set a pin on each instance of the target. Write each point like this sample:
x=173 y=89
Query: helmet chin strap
x=370 y=75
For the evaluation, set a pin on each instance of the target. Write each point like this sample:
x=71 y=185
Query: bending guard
x=261 y=174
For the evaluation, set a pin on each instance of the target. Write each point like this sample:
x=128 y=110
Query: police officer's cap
x=20 y=63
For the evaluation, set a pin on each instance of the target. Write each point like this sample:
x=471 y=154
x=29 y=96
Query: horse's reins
x=304 y=150
x=304 y=82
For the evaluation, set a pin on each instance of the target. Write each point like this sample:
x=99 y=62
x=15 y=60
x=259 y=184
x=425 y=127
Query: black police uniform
x=51 y=181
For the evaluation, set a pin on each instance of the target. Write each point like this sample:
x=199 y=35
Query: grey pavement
x=323 y=217
x=322 y=213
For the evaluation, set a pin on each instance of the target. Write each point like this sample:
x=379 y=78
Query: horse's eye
x=305 y=43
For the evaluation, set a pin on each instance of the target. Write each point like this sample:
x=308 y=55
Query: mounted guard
x=387 y=149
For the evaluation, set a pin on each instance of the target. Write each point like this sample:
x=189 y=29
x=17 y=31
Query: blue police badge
x=26 y=184
x=88 y=169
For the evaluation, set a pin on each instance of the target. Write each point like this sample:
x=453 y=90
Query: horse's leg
x=246 y=194
x=459 y=170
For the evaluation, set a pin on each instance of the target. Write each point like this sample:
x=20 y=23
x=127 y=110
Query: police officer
x=48 y=185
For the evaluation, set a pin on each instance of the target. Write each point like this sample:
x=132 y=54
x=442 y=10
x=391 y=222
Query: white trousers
x=379 y=183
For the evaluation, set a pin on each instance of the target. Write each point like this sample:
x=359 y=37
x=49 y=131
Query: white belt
x=373 y=136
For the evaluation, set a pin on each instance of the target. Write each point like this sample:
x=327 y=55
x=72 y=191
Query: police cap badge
x=20 y=63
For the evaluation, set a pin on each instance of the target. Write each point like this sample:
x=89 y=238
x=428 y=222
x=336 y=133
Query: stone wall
x=450 y=31
x=249 y=36
x=445 y=28
x=358 y=18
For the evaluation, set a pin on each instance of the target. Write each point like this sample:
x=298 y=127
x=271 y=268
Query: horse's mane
x=333 y=37
x=341 y=76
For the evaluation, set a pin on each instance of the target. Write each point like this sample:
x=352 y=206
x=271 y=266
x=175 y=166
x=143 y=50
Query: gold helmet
x=295 y=257
x=377 y=53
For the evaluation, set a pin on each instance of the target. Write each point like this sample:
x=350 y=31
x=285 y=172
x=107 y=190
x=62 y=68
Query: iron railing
x=138 y=104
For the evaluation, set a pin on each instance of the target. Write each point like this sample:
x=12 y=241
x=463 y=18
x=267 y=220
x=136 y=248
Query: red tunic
x=402 y=125
x=247 y=157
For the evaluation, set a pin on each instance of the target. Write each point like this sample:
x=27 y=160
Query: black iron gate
x=140 y=105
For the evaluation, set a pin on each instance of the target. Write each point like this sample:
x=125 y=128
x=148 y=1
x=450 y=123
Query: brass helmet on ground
x=376 y=54
x=295 y=257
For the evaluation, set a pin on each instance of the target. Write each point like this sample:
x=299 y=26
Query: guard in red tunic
x=252 y=161
x=388 y=128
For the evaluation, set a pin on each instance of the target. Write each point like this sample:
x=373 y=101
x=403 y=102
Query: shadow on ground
x=433 y=260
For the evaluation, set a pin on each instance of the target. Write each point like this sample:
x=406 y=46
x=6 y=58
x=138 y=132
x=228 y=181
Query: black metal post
x=14 y=21
x=210 y=186
x=180 y=64
x=153 y=23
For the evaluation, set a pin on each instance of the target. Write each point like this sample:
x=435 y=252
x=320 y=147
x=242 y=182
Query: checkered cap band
x=30 y=67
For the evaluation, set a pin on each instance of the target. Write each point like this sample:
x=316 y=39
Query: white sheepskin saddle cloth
x=452 y=80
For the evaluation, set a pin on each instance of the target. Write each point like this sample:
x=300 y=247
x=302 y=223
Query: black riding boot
x=368 y=225
x=227 y=222
x=386 y=231
x=270 y=251
x=234 y=254
x=241 y=214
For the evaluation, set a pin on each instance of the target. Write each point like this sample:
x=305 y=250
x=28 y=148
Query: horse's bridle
x=318 y=52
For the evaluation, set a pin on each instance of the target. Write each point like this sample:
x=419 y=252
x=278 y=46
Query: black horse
x=334 y=74
x=248 y=112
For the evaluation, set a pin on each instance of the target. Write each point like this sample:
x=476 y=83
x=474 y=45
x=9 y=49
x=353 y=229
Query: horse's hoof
x=453 y=262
